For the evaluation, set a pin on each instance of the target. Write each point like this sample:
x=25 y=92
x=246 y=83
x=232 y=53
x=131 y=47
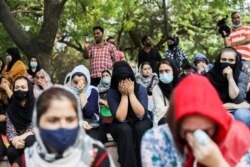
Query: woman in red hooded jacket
x=194 y=105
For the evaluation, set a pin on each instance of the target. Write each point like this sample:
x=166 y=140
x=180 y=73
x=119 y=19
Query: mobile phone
x=201 y=137
x=86 y=38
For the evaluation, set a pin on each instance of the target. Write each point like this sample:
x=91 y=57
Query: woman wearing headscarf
x=230 y=82
x=168 y=78
x=176 y=53
x=148 y=79
x=14 y=66
x=34 y=67
x=200 y=64
x=62 y=142
x=195 y=105
x=128 y=104
x=89 y=100
x=18 y=119
x=42 y=82
x=103 y=88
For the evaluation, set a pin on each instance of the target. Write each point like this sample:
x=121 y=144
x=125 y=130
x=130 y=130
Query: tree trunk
x=40 y=46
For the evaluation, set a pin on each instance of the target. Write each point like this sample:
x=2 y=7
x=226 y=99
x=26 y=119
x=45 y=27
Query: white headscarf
x=82 y=69
x=80 y=154
x=37 y=90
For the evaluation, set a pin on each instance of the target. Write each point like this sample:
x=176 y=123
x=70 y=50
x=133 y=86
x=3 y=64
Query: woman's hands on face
x=122 y=87
x=207 y=154
x=81 y=85
x=130 y=86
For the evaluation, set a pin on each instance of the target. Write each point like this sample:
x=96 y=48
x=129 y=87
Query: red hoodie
x=195 y=95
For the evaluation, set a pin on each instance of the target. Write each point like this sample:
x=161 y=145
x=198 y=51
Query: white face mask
x=106 y=80
x=166 y=78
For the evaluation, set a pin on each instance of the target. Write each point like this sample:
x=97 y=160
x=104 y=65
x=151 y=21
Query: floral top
x=163 y=153
x=12 y=132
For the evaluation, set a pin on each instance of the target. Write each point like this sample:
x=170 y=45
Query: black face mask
x=224 y=65
x=20 y=95
x=171 y=46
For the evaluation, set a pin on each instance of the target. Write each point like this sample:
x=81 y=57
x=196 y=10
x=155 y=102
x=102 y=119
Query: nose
x=63 y=123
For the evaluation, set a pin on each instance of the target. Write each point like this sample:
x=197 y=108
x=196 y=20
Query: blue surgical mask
x=59 y=139
x=75 y=90
x=106 y=80
x=166 y=78
x=33 y=64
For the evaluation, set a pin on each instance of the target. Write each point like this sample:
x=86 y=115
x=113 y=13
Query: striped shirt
x=239 y=34
x=101 y=58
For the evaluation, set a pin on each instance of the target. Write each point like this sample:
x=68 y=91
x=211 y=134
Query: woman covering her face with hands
x=128 y=105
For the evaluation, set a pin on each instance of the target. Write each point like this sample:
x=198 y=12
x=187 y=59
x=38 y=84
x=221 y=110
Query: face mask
x=75 y=90
x=166 y=78
x=171 y=46
x=33 y=64
x=106 y=80
x=20 y=95
x=59 y=139
x=236 y=25
x=224 y=65
x=9 y=58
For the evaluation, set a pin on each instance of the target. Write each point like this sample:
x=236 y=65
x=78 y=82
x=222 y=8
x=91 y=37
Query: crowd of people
x=152 y=108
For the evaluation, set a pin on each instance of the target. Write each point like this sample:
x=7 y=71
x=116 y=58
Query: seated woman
x=103 y=88
x=134 y=67
x=168 y=75
x=195 y=105
x=200 y=64
x=42 y=82
x=61 y=140
x=34 y=67
x=89 y=100
x=18 y=119
x=128 y=105
x=14 y=66
x=230 y=82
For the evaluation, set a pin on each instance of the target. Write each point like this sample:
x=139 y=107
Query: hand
x=229 y=106
x=17 y=142
x=206 y=154
x=122 y=87
x=86 y=125
x=81 y=85
x=5 y=84
x=42 y=83
x=86 y=44
x=130 y=86
x=228 y=72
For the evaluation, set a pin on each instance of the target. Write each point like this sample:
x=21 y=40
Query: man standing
x=148 y=53
x=239 y=37
x=102 y=55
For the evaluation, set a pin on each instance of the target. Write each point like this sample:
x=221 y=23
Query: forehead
x=196 y=121
x=105 y=73
x=33 y=59
x=165 y=66
x=228 y=55
x=60 y=107
x=76 y=78
x=146 y=66
x=236 y=15
x=97 y=31
x=21 y=82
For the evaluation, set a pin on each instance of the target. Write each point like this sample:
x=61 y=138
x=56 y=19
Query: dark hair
x=38 y=68
x=54 y=93
x=79 y=74
x=98 y=28
x=3 y=95
x=233 y=13
x=106 y=71
x=14 y=52
x=144 y=63
x=144 y=38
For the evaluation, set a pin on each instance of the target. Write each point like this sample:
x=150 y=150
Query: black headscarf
x=168 y=88
x=219 y=81
x=14 y=52
x=38 y=68
x=21 y=116
x=122 y=71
